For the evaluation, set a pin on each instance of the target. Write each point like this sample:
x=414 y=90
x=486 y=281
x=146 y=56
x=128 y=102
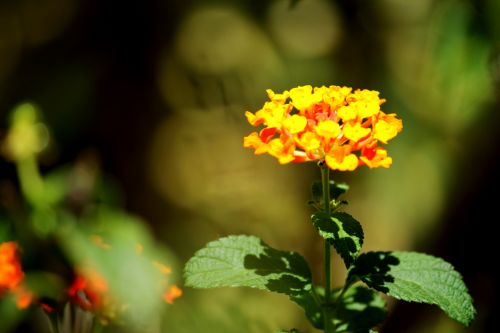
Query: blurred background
x=153 y=94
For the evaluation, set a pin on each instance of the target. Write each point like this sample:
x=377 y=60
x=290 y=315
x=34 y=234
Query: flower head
x=332 y=124
x=89 y=290
x=12 y=275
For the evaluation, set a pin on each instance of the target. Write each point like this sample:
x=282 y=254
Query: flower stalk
x=325 y=179
x=342 y=130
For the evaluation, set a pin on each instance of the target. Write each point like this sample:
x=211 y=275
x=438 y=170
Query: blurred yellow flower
x=27 y=136
x=332 y=124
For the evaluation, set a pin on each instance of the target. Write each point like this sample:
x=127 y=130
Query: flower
x=89 y=290
x=333 y=124
x=12 y=275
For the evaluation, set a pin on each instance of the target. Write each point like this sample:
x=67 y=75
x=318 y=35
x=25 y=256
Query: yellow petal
x=278 y=98
x=302 y=97
x=309 y=141
x=379 y=160
x=347 y=113
x=347 y=163
x=355 y=132
x=295 y=124
x=252 y=118
x=365 y=109
x=254 y=141
x=328 y=129
x=384 y=131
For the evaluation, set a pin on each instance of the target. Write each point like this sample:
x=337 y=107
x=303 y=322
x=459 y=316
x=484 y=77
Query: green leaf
x=359 y=310
x=417 y=277
x=312 y=306
x=336 y=190
x=343 y=231
x=293 y=330
x=246 y=261
x=106 y=239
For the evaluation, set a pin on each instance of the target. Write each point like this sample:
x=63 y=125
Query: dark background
x=156 y=92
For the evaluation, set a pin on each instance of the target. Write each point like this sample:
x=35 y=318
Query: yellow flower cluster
x=334 y=124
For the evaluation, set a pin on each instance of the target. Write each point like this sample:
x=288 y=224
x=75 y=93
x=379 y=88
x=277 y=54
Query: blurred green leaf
x=341 y=230
x=45 y=220
x=56 y=185
x=45 y=285
x=10 y=315
x=213 y=311
x=5 y=229
x=121 y=249
x=417 y=277
x=246 y=261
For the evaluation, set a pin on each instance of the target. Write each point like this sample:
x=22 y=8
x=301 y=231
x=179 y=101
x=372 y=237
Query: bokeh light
x=308 y=30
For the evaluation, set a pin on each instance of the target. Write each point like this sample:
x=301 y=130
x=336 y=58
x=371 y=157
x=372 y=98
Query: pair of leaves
x=408 y=276
x=246 y=261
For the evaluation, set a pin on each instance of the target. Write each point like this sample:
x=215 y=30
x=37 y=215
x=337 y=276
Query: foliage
x=69 y=251
x=330 y=124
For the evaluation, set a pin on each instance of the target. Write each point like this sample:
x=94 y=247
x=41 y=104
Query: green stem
x=325 y=179
x=31 y=181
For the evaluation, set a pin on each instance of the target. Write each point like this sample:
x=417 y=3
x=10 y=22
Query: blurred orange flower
x=334 y=124
x=92 y=291
x=12 y=275
x=89 y=290
x=172 y=293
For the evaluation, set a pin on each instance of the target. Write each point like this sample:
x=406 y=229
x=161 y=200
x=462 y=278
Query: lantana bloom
x=12 y=275
x=334 y=124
